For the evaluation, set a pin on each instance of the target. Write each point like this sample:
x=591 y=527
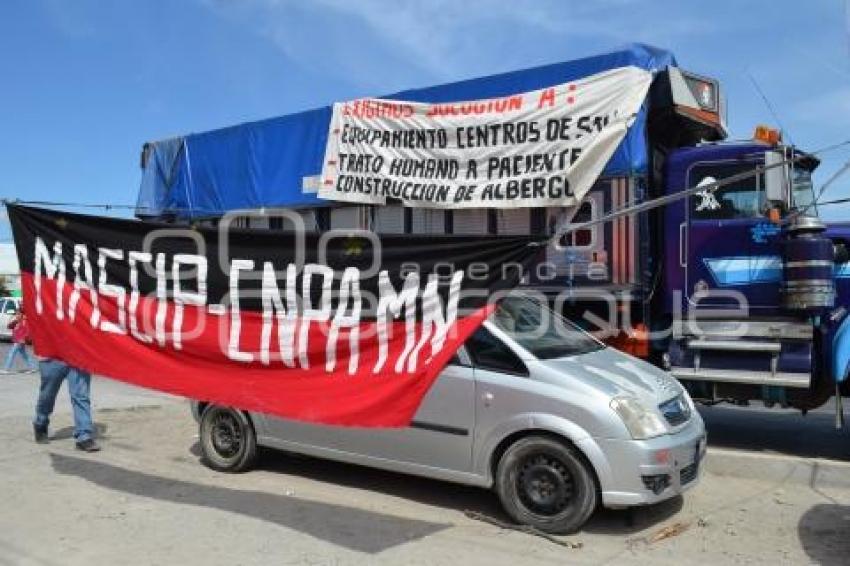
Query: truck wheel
x=546 y=484
x=228 y=441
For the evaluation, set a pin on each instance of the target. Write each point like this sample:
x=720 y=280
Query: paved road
x=146 y=499
x=779 y=431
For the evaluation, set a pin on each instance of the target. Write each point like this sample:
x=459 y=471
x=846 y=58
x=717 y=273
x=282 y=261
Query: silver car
x=9 y=307
x=553 y=420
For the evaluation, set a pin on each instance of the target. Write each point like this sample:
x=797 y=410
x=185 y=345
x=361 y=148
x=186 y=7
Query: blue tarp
x=263 y=164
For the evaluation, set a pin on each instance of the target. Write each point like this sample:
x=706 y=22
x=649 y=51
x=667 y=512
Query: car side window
x=10 y=307
x=488 y=352
x=744 y=198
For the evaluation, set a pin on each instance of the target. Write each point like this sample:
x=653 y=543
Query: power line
x=769 y=106
x=836 y=201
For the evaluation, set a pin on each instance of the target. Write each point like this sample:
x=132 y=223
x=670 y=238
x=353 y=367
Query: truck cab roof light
x=767 y=134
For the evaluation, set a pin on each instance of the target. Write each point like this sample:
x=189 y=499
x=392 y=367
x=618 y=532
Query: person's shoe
x=88 y=445
x=40 y=433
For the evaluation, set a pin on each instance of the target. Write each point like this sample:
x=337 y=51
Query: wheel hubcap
x=544 y=484
x=226 y=435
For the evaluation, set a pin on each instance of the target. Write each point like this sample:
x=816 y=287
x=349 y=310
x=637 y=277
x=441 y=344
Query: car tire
x=546 y=484
x=228 y=441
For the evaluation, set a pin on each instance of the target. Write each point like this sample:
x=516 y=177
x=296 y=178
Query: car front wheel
x=228 y=441
x=546 y=484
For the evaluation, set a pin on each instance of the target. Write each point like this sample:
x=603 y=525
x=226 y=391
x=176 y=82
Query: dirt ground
x=146 y=499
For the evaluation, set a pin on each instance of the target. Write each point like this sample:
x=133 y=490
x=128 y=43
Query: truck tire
x=228 y=441
x=546 y=484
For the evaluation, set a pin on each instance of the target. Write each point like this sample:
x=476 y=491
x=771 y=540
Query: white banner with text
x=539 y=148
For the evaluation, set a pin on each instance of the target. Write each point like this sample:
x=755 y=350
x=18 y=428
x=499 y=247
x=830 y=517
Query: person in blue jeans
x=19 y=349
x=20 y=339
x=53 y=373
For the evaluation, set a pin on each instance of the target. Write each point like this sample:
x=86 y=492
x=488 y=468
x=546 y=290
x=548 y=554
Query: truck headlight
x=641 y=421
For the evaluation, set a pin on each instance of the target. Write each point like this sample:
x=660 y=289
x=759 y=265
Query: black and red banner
x=336 y=328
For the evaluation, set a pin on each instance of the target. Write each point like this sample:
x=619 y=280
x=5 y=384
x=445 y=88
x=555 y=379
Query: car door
x=501 y=381
x=731 y=245
x=440 y=434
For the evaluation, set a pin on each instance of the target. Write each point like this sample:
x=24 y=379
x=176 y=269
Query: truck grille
x=688 y=473
x=676 y=410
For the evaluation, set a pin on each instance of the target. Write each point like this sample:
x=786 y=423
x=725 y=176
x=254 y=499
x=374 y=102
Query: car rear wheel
x=228 y=441
x=546 y=484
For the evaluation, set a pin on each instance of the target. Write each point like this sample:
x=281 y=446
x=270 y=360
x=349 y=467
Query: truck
x=739 y=290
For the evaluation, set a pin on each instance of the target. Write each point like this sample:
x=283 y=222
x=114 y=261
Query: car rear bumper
x=643 y=472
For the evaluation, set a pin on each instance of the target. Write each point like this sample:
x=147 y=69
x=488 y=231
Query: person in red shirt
x=20 y=339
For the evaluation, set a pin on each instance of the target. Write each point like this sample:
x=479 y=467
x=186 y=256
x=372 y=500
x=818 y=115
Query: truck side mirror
x=775 y=179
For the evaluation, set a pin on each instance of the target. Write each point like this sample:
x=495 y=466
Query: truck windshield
x=540 y=330
x=802 y=191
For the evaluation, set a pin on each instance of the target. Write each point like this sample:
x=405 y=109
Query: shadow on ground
x=423 y=490
x=635 y=519
x=824 y=532
x=68 y=432
x=776 y=430
x=445 y=494
x=355 y=529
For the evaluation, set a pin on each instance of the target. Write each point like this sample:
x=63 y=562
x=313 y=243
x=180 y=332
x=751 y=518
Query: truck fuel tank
x=808 y=263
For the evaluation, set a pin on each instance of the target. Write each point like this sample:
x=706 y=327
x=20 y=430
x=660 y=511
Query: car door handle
x=487 y=398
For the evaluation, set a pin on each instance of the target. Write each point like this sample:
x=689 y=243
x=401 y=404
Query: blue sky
x=85 y=83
